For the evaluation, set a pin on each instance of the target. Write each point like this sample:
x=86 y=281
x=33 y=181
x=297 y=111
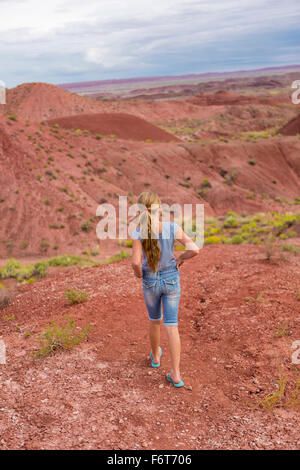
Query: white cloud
x=119 y=35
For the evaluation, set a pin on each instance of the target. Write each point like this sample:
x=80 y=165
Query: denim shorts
x=162 y=289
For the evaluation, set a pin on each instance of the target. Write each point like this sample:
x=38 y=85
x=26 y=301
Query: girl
x=159 y=271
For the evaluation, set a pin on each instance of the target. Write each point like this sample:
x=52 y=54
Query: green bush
x=212 y=240
x=85 y=227
x=236 y=240
x=291 y=248
x=119 y=256
x=60 y=337
x=76 y=296
x=205 y=183
x=15 y=270
x=185 y=184
x=230 y=222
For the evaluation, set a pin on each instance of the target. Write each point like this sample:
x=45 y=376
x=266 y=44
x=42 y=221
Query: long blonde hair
x=151 y=245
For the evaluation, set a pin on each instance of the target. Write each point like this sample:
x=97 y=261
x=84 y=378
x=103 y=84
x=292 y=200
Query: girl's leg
x=175 y=349
x=154 y=332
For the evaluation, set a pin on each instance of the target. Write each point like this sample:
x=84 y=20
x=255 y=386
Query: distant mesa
x=224 y=97
x=122 y=125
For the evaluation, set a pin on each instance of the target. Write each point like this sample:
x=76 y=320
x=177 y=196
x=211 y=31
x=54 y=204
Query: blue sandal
x=176 y=384
x=154 y=364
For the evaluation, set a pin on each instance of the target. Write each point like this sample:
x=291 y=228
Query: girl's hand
x=179 y=262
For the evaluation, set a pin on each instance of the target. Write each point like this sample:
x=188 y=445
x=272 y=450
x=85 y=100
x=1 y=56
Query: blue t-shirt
x=166 y=241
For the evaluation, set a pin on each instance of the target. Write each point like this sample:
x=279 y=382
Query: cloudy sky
x=74 y=40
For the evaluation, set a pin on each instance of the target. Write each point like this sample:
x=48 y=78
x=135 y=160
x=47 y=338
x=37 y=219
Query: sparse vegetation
x=60 y=337
x=76 y=296
x=282 y=329
x=12 y=117
x=119 y=256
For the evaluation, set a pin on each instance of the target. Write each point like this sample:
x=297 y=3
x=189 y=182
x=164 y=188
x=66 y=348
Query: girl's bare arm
x=136 y=263
x=191 y=248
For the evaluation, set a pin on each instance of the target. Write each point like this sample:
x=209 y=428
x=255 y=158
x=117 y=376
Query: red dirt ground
x=104 y=394
x=124 y=126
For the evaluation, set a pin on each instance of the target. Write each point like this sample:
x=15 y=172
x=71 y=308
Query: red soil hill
x=224 y=97
x=38 y=101
x=124 y=126
x=292 y=127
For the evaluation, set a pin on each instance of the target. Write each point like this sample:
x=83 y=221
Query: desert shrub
x=185 y=184
x=76 y=296
x=60 y=337
x=230 y=222
x=236 y=240
x=70 y=260
x=201 y=193
x=212 y=240
x=269 y=246
x=15 y=270
x=252 y=161
x=10 y=269
x=292 y=234
x=282 y=329
x=44 y=245
x=56 y=226
x=85 y=227
x=119 y=256
x=205 y=183
x=40 y=268
x=211 y=231
x=12 y=117
x=230 y=178
x=274 y=399
x=290 y=248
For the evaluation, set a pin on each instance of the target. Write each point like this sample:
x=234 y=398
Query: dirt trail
x=105 y=395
